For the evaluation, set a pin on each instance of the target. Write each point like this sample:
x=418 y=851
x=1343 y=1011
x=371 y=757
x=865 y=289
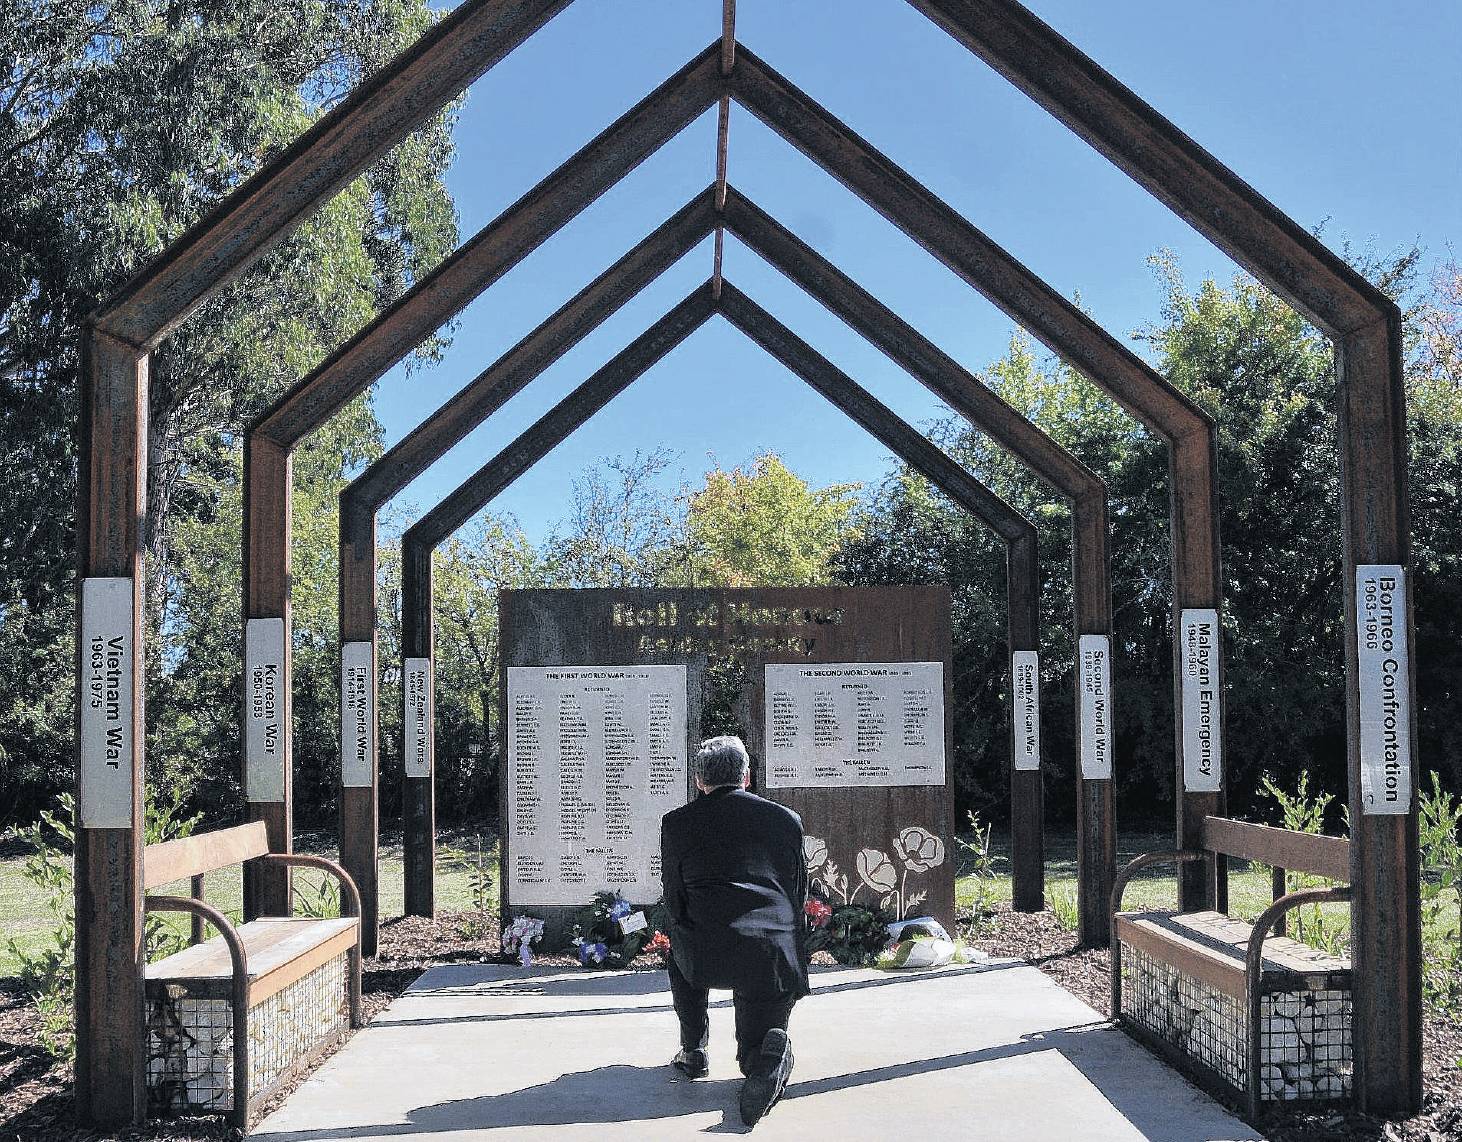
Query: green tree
x=763 y=526
x=120 y=125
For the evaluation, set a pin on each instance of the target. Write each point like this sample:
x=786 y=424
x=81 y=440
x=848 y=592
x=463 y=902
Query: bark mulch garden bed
x=1040 y=940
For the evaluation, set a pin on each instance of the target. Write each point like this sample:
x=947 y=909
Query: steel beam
x=1083 y=489
x=381 y=111
x=1375 y=519
x=1070 y=333
x=483 y=395
x=390 y=336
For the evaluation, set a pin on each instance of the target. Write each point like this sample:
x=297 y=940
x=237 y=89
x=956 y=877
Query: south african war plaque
x=596 y=756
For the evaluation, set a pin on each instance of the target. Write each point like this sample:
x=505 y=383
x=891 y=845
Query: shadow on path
x=624 y=1093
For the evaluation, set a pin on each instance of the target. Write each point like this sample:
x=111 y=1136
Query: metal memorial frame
x=119 y=336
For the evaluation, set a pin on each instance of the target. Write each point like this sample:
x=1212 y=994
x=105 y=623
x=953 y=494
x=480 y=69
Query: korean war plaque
x=596 y=756
x=854 y=724
x=1385 y=688
x=264 y=710
x=1094 y=679
x=357 y=715
x=107 y=757
x=1025 y=695
x=418 y=682
x=1202 y=738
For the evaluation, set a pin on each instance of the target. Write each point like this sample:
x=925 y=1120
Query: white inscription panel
x=418 y=683
x=596 y=756
x=1202 y=734
x=264 y=710
x=1385 y=688
x=1095 y=679
x=854 y=724
x=107 y=756
x=1025 y=695
x=357 y=715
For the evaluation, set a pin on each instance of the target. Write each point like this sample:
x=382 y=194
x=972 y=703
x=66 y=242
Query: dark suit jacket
x=735 y=886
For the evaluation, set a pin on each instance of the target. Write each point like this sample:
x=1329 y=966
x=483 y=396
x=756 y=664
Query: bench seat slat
x=1211 y=947
x=279 y=952
x=179 y=859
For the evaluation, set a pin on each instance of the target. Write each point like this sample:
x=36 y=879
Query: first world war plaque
x=596 y=756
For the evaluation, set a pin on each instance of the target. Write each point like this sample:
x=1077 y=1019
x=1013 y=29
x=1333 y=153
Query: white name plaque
x=1385 y=688
x=418 y=683
x=596 y=756
x=264 y=710
x=1202 y=734
x=1094 y=676
x=1025 y=696
x=107 y=754
x=357 y=715
x=854 y=724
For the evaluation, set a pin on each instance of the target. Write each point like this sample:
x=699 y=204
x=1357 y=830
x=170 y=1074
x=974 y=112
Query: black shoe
x=693 y=1064
x=770 y=1069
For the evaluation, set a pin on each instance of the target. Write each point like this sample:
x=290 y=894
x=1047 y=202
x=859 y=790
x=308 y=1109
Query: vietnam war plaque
x=1094 y=679
x=854 y=724
x=1382 y=658
x=264 y=710
x=1025 y=695
x=357 y=715
x=1202 y=736
x=107 y=746
x=596 y=756
x=417 y=680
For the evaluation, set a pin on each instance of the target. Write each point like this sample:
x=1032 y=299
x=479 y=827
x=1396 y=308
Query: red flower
x=818 y=912
x=659 y=944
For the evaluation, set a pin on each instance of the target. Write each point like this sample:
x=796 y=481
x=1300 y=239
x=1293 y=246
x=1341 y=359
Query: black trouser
x=756 y=1014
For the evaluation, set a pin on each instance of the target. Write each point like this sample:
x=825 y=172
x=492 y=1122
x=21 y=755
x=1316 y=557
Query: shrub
x=1441 y=895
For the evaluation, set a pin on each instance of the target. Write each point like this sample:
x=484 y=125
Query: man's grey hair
x=722 y=761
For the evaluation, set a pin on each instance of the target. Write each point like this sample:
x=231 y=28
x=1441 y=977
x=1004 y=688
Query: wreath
x=612 y=932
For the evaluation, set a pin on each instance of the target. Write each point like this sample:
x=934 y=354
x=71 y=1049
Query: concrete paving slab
x=994 y=1050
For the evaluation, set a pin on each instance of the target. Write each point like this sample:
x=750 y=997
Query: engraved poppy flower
x=814 y=852
x=919 y=849
x=877 y=871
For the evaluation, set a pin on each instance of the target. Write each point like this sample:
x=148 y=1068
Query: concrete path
x=988 y=1051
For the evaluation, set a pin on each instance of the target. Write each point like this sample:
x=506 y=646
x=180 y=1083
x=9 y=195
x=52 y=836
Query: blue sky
x=1341 y=113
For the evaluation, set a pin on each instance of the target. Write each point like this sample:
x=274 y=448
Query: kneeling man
x=735 y=886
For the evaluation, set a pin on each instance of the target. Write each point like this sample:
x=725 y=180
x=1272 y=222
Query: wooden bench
x=1247 y=1012
x=291 y=985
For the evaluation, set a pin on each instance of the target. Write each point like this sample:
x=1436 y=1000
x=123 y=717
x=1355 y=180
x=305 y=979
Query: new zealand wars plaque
x=596 y=756
x=854 y=724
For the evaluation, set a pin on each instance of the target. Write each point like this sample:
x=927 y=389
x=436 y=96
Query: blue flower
x=619 y=909
x=591 y=953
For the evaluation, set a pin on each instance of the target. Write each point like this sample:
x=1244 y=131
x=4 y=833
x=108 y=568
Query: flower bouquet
x=612 y=933
x=519 y=938
x=850 y=933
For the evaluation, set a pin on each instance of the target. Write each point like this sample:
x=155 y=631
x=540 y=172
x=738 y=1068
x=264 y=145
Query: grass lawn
x=25 y=919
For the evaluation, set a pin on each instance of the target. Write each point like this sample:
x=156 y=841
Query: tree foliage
x=121 y=124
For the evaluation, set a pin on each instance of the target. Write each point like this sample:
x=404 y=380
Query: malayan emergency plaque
x=1202 y=736
x=1094 y=679
x=854 y=724
x=1025 y=696
x=357 y=715
x=596 y=756
x=417 y=685
x=107 y=755
x=1382 y=661
x=264 y=710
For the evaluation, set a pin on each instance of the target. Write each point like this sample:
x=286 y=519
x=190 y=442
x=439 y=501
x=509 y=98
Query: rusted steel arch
x=1375 y=514
x=491 y=388
x=1083 y=489
x=363 y=498
x=470 y=497
x=362 y=360
x=1188 y=431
